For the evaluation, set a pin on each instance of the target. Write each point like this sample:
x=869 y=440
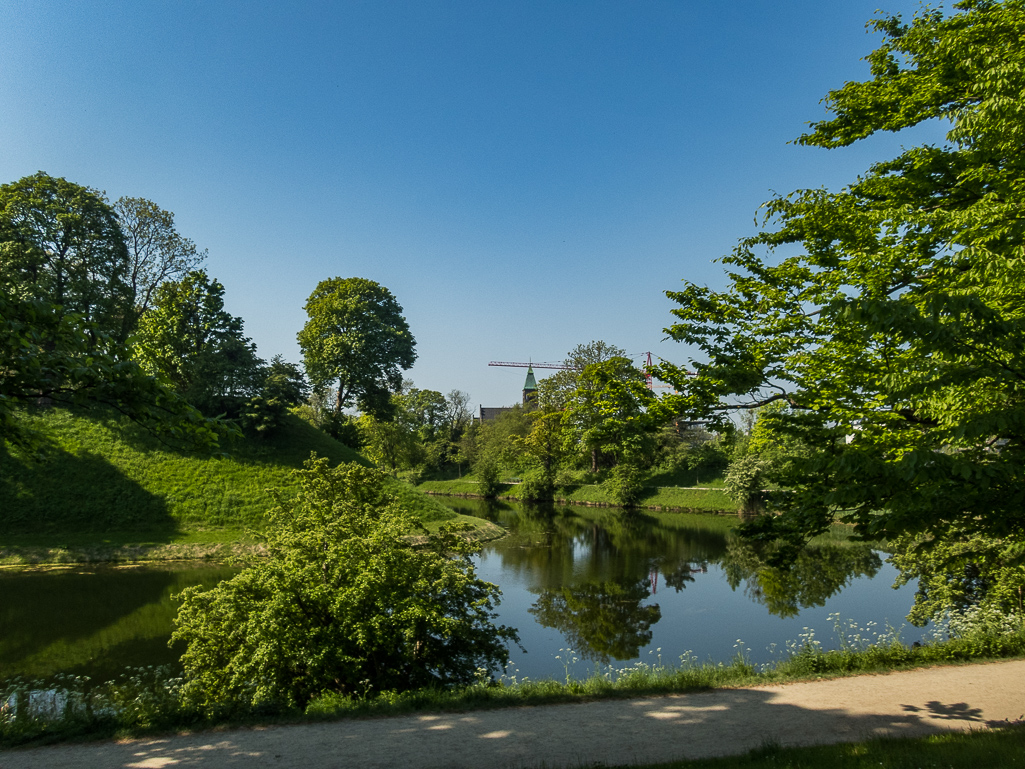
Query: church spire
x=529 y=387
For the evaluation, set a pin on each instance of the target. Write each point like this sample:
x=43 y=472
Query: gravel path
x=613 y=733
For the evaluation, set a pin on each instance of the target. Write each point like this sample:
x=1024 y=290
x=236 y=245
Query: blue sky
x=523 y=176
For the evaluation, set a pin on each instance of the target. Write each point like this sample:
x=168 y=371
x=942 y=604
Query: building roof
x=530 y=384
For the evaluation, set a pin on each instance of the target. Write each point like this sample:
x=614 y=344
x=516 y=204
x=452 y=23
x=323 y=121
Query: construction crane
x=568 y=367
x=561 y=366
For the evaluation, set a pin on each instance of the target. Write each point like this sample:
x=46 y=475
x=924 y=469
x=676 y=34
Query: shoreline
x=230 y=552
x=591 y=503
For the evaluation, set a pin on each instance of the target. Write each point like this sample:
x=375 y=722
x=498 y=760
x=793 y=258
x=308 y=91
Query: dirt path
x=727 y=721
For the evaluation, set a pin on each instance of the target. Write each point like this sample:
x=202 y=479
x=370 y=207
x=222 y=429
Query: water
x=93 y=621
x=607 y=588
x=612 y=588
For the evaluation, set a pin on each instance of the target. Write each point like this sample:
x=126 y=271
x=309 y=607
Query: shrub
x=346 y=603
x=624 y=485
x=743 y=483
x=487 y=476
x=537 y=486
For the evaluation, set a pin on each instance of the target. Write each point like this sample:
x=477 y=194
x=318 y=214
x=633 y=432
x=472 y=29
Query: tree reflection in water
x=597 y=572
x=600 y=621
x=819 y=573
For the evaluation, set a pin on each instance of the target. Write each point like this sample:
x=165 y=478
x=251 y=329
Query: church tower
x=530 y=390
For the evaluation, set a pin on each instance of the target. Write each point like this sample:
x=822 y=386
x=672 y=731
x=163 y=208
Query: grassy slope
x=102 y=482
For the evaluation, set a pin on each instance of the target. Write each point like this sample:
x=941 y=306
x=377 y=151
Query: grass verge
x=148 y=701
x=1003 y=747
x=705 y=500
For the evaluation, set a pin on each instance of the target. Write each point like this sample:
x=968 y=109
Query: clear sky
x=523 y=176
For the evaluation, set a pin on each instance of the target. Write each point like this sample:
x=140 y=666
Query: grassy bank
x=148 y=701
x=102 y=489
x=704 y=500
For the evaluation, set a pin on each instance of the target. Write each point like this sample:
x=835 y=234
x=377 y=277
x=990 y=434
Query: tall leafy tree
x=892 y=320
x=458 y=416
x=157 y=253
x=49 y=355
x=549 y=442
x=556 y=391
x=611 y=409
x=61 y=242
x=190 y=340
x=64 y=308
x=357 y=340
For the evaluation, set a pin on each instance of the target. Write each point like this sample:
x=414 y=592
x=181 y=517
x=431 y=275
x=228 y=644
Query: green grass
x=103 y=489
x=711 y=500
x=951 y=750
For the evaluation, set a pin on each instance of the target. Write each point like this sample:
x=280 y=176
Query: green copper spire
x=530 y=384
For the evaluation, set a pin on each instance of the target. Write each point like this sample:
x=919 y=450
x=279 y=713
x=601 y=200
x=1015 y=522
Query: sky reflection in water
x=616 y=587
x=612 y=587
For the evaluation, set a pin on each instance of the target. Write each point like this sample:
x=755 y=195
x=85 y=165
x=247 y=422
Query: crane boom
x=648 y=379
x=561 y=366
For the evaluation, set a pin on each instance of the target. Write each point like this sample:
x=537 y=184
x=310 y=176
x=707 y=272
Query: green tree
x=357 y=339
x=457 y=413
x=961 y=572
x=549 y=442
x=157 y=253
x=498 y=441
x=284 y=388
x=61 y=243
x=389 y=443
x=49 y=355
x=426 y=411
x=893 y=324
x=414 y=436
x=189 y=339
x=556 y=391
x=345 y=603
x=611 y=409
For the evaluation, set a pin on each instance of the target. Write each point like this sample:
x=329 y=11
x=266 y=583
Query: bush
x=345 y=603
x=743 y=483
x=624 y=485
x=537 y=486
x=487 y=476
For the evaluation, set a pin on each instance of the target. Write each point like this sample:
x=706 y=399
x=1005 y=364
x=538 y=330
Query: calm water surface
x=94 y=621
x=612 y=587
x=615 y=588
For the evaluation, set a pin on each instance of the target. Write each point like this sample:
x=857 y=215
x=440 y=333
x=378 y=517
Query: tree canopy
x=611 y=409
x=357 y=339
x=890 y=315
x=190 y=340
x=61 y=242
x=66 y=308
x=157 y=253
